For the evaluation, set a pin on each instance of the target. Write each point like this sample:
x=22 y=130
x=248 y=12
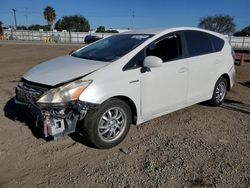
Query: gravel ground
x=199 y=146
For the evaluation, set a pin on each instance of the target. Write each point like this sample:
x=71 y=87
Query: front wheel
x=220 y=92
x=108 y=125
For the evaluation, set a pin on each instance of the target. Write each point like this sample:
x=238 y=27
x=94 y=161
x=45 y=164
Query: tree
x=244 y=32
x=111 y=31
x=76 y=23
x=49 y=14
x=100 y=29
x=1 y=29
x=21 y=27
x=58 y=25
x=36 y=27
x=219 y=23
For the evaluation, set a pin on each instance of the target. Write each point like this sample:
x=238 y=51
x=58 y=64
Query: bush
x=101 y=29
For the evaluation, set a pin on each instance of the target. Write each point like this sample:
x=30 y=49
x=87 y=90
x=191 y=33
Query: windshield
x=111 y=48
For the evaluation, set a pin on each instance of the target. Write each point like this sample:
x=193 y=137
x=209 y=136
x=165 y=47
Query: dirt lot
x=200 y=146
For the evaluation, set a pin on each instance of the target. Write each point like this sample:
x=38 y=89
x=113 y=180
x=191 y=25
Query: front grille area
x=29 y=93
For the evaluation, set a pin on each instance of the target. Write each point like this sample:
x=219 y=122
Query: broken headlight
x=66 y=93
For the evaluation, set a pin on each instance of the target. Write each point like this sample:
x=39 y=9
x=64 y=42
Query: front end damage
x=55 y=120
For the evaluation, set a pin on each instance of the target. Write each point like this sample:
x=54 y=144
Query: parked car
x=129 y=78
x=91 y=38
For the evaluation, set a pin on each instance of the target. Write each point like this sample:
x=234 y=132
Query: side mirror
x=152 y=61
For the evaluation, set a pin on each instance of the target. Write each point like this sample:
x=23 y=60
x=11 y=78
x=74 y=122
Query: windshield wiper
x=82 y=57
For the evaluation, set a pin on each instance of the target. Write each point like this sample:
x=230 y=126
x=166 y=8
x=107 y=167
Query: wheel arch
x=131 y=105
x=226 y=76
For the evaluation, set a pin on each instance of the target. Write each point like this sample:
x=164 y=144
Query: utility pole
x=26 y=17
x=133 y=17
x=14 y=11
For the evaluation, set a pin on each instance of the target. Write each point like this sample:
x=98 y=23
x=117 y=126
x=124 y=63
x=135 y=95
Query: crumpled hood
x=62 y=69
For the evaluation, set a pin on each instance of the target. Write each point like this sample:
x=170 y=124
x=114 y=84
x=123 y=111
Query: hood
x=62 y=69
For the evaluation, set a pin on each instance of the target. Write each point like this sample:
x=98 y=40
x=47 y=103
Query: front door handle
x=183 y=70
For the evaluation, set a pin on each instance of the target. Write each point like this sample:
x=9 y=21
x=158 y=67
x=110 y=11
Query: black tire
x=217 y=98
x=94 y=120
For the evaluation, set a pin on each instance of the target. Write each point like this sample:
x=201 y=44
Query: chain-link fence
x=78 y=37
x=49 y=36
x=242 y=43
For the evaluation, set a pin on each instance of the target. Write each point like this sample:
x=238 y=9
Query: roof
x=166 y=30
x=145 y=31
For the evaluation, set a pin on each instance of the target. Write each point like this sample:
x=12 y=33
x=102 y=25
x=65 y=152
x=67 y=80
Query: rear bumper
x=232 y=76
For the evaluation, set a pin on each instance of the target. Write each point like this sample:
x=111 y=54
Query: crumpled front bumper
x=60 y=119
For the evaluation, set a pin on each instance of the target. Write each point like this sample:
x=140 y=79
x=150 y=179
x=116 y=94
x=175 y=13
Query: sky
x=119 y=14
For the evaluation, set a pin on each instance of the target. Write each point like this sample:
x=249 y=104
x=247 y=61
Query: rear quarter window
x=217 y=42
x=198 y=43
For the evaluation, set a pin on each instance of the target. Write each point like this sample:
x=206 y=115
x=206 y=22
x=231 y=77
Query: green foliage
x=244 y=32
x=219 y=23
x=111 y=31
x=76 y=23
x=58 y=25
x=101 y=29
x=49 y=14
x=36 y=27
x=1 y=29
x=21 y=27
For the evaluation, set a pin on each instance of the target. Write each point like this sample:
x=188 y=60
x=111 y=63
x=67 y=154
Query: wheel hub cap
x=220 y=91
x=112 y=124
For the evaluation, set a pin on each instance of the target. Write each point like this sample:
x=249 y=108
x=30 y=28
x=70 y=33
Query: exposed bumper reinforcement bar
x=58 y=121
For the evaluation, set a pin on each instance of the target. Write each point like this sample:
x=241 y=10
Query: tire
x=108 y=125
x=220 y=92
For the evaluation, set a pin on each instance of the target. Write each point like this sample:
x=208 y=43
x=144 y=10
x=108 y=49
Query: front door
x=164 y=89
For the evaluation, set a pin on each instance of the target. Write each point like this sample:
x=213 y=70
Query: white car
x=129 y=78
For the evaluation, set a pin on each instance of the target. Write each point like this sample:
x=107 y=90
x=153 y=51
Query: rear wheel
x=220 y=92
x=108 y=125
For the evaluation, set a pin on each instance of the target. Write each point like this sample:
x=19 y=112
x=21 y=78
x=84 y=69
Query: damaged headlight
x=65 y=93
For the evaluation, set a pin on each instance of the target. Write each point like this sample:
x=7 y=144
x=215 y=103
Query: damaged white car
x=103 y=88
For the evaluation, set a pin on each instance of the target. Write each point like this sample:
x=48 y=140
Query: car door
x=202 y=66
x=164 y=89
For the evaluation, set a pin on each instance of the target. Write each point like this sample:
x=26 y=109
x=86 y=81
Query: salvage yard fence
x=78 y=37
x=239 y=43
x=49 y=36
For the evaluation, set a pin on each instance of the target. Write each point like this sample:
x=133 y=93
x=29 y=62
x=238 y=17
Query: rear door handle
x=183 y=70
x=216 y=62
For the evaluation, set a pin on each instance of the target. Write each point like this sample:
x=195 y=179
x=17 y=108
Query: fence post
x=69 y=36
x=243 y=42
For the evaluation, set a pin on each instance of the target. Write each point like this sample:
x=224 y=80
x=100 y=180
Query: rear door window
x=198 y=43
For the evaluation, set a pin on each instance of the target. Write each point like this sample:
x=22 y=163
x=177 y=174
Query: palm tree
x=1 y=29
x=49 y=14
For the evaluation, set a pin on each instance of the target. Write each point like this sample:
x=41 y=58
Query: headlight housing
x=66 y=93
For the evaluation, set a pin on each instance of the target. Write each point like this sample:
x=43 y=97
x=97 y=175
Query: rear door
x=202 y=66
